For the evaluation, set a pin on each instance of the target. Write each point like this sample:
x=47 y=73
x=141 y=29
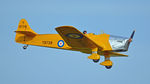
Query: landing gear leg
x=25 y=47
x=107 y=63
x=94 y=56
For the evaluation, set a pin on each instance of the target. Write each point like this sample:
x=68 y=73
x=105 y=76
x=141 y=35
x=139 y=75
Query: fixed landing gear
x=95 y=60
x=94 y=56
x=25 y=47
x=107 y=63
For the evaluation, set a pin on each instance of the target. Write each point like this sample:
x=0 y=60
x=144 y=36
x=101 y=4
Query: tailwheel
x=95 y=60
x=25 y=47
x=108 y=67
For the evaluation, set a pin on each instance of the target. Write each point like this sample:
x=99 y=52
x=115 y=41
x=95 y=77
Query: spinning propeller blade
x=131 y=37
x=130 y=40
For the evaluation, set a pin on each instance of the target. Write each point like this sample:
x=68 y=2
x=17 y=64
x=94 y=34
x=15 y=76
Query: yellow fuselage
x=51 y=40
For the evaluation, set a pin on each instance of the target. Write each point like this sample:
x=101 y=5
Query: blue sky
x=39 y=65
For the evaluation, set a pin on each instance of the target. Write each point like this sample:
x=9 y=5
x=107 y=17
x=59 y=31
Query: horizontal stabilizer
x=27 y=33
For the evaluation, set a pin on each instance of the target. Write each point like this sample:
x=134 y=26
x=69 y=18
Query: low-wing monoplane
x=69 y=38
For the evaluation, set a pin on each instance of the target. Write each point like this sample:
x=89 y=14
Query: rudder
x=24 y=32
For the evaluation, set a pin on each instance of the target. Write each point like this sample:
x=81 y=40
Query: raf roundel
x=74 y=35
x=60 y=43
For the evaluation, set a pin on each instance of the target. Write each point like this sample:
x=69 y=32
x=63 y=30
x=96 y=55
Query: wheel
x=108 y=67
x=95 y=60
x=24 y=47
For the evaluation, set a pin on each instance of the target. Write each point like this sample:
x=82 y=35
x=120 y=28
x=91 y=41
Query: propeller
x=130 y=40
x=131 y=37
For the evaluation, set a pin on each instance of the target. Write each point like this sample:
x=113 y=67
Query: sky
x=39 y=65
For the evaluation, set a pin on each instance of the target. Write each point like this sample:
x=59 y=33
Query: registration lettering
x=47 y=42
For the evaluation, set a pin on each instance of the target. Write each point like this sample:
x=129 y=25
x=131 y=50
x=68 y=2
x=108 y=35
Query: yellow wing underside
x=112 y=54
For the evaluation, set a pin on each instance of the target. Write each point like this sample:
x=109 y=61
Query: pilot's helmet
x=84 y=32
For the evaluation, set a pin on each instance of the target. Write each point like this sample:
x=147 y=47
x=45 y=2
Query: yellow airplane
x=69 y=38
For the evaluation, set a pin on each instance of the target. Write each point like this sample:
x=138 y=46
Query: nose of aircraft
x=120 y=43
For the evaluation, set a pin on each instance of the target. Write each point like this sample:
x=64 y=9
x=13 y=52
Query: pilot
x=84 y=32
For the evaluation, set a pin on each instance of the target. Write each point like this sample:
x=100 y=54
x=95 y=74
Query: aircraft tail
x=24 y=32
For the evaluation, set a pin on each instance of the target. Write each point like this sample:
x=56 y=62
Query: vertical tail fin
x=24 y=32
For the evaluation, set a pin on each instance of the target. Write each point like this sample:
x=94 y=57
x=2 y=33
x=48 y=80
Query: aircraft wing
x=112 y=54
x=75 y=38
x=115 y=54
